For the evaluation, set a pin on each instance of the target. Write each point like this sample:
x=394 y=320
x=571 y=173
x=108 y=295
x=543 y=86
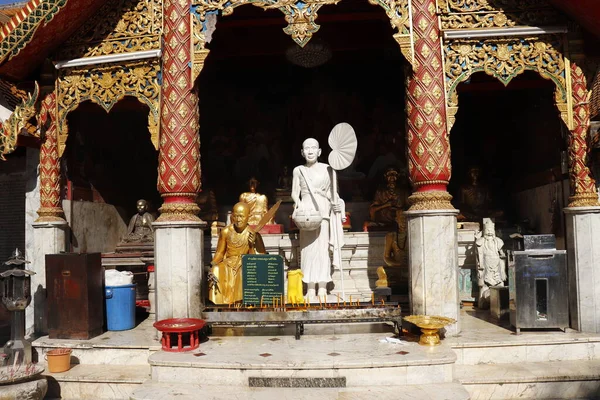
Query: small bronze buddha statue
x=140 y=228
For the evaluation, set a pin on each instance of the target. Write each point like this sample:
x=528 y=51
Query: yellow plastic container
x=59 y=360
x=294 y=292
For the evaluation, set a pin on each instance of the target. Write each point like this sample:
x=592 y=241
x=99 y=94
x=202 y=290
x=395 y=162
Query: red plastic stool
x=180 y=334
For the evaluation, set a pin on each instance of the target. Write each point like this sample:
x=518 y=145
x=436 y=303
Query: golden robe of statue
x=259 y=204
x=235 y=240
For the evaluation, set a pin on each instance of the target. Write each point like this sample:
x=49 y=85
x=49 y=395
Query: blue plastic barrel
x=120 y=307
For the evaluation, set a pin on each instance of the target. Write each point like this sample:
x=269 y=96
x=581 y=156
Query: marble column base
x=583 y=253
x=178 y=258
x=49 y=238
x=433 y=264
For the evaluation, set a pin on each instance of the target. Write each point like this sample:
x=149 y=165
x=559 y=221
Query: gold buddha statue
x=140 y=228
x=225 y=282
x=258 y=203
x=207 y=201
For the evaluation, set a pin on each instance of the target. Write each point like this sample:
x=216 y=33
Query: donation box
x=75 y=295
x=537 y=281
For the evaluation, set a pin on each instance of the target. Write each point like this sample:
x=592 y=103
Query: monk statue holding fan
x=319 y=211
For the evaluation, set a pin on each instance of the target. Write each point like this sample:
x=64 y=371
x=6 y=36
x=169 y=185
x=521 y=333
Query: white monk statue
x=490 y=267
x=312 y=193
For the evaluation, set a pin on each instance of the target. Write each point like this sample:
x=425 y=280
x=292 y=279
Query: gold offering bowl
x=429 y=326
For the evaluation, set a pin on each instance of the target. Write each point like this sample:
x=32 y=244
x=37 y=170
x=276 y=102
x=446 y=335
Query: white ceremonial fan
x=343 y=143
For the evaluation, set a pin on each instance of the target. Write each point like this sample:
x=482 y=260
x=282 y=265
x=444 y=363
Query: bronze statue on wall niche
x=475 y=199
x=387 y=202
x=140 y=228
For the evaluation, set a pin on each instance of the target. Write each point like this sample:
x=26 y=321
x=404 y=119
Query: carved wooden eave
x=36 y=30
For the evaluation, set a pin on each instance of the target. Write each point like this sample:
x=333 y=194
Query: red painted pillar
x=179 y=158
x=427 y=135
x=583 y=187
x=50 y=205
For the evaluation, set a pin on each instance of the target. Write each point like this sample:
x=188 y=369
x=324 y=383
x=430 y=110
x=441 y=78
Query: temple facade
x=115 y=90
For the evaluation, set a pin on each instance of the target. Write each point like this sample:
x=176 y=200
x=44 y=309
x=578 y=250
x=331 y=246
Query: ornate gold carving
x=10 y=129
x=490 y=5
x=504 y=59
x=105 y=85
x=584 y=200
x=179 y=212
x=301 y=17
x=50 y=214
x=431 y=200
x=120 y=26
x=474 y=14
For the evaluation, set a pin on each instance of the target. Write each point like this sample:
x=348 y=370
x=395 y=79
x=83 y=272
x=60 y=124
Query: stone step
x=131 y=347
x=161 y=391
x=532 y=348
x=96 y=381
x=358 y=360
x=532 y=380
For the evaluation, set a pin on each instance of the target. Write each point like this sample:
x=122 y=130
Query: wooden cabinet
x=74 y=285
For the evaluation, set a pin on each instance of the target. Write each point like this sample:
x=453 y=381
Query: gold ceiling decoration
x=105 y=85
x=504 y=59
x=120 y=26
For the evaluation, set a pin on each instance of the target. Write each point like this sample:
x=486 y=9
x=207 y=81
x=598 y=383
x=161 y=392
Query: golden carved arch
x=505 y=58
x=300 y=16
x=105 y=85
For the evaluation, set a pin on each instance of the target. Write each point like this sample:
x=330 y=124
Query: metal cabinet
x=75 y=295
x=538 y=292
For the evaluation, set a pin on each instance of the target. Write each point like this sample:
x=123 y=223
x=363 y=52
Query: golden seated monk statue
x=259 y=204
x=235 y=240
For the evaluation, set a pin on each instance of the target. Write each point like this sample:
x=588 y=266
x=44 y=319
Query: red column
x=583 y=187
x=427 y=135
x=50 y=206
x=179 y=159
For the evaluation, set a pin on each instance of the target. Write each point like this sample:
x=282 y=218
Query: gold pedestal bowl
x=429 y=325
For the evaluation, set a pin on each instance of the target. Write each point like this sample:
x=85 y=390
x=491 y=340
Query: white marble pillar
x=178 y=258
x=583 y=261
x=48 y=238
x=433 y=264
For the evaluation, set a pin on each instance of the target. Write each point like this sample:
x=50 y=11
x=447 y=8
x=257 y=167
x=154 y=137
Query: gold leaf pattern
x=172 y=181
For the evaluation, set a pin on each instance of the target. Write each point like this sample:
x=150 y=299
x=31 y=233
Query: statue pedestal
x=49 y=238
x=583 y=252
x=178 y=269
x=433 y=264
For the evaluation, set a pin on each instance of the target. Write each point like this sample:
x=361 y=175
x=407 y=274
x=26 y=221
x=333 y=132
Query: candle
x=338 y=299
x=261 y=301
x=373 y=298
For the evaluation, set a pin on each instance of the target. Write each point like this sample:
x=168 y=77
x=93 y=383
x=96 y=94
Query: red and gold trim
x=427 y=135
x=583 y=186
x=179 y=158
x=50 y=206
